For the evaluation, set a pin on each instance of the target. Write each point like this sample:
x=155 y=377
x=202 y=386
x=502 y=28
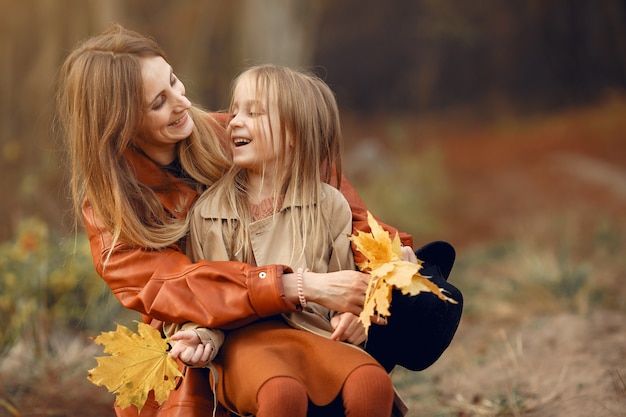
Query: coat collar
x=212 y=208
x=176 y=195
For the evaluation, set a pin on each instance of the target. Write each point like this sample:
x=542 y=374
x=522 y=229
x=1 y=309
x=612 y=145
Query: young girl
x=273 y=207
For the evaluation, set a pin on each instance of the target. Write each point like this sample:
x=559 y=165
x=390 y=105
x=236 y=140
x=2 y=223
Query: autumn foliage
x=138 y=363
x=388 y=271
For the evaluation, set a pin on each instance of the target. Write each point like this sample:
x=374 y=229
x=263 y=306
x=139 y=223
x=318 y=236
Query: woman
x=140 y=154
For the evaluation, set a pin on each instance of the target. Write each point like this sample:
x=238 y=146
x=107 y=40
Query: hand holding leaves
x=139 y=363
x=387 y=269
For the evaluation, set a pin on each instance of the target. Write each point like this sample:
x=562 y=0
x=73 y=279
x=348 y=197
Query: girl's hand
x=190 y=349
x=408 y=254
x=348 y=327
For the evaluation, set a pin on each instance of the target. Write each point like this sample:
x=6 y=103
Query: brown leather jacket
x=164 y=285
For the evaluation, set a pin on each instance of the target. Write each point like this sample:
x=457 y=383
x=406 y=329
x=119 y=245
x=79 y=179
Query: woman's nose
x=182 y=103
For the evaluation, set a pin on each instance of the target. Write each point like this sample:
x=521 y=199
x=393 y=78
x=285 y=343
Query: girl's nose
x=235 y=121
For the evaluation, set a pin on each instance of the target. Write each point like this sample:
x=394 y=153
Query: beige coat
x=272 y=243
x=271 y=236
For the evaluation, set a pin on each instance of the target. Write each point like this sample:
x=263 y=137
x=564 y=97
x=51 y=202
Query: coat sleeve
x=359 y=216
x=165 y=285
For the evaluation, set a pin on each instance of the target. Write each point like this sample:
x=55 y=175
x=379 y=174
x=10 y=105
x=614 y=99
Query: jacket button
x=262 y=275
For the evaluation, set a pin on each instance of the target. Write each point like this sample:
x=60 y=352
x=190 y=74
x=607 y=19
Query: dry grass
x=542 y=333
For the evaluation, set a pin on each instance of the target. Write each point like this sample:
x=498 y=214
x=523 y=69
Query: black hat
x=420 y=327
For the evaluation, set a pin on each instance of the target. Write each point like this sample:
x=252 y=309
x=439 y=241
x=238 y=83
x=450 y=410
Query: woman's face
x=254 y=129
x=166 y=120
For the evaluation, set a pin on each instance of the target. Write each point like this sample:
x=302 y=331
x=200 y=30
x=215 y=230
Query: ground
x=543 y=334
x=536 y=213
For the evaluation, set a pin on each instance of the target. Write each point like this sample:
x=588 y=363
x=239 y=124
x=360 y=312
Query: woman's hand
x=342 y=291
x=190 y=349
x=348 y=327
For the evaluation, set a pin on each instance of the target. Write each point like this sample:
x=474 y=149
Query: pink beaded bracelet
x=301 y=287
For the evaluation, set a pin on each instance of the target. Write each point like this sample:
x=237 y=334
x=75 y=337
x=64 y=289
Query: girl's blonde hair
x=309 y=121
x=100 y=101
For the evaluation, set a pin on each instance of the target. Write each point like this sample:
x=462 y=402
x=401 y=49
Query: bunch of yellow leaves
x=387 y=270
x=139 y=363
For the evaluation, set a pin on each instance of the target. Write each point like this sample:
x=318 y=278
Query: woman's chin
x=182 y=131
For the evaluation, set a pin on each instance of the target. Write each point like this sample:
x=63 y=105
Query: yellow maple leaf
x=387 y=270
x=139 y=363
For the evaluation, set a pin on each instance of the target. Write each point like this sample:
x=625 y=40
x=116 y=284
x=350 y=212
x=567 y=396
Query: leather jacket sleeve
x=165 y=285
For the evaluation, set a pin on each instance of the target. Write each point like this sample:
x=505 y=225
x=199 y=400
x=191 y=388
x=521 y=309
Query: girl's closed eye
x=255 y=109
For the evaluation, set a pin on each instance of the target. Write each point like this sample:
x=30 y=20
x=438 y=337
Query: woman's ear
x=291 y=141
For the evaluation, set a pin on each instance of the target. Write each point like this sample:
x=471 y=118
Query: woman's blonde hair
x=100 y=101
x=309 y=122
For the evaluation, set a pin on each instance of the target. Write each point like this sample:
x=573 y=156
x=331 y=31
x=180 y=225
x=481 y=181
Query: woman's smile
x=181 y=120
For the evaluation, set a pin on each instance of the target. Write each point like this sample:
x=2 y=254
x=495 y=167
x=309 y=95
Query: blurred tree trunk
x=35 y=37
x=277 y=31
x=105 y=12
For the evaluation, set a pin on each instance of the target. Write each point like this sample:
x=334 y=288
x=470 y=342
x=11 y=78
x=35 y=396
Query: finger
x=340 y=329
x=408 y=254
x=176 y=350
x=208 y=348
x=357 y=338
x=338 y=334
x=201 y=355
x=186 y=355
x=197 y=355
x=355 y=332
x=349 y=335
x=182 y=335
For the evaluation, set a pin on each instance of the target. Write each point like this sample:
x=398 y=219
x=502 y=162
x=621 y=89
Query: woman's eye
x=174 y=80
x=158 y=104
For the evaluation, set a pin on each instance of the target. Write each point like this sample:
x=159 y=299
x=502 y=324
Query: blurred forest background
x=408 y=58
x=498 y=125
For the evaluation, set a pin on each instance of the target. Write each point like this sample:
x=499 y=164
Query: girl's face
x=166 y=120
x=255 y=129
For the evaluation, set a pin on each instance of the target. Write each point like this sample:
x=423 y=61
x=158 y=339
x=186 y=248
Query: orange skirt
x=252 y=355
